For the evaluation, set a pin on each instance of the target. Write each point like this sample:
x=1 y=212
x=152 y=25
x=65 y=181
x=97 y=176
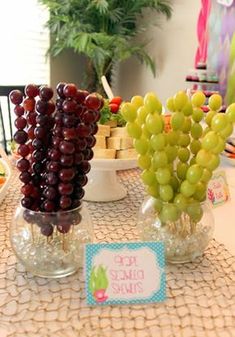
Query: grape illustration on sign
x=117 y=273
x=98 y=283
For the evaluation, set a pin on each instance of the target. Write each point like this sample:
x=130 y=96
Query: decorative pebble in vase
x=51 y=225
x=177 y=165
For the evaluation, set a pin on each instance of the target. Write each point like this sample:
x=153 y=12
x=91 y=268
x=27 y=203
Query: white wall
x=173 y=48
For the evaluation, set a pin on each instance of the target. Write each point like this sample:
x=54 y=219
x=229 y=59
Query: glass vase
x=50 y=244
x=186 y=235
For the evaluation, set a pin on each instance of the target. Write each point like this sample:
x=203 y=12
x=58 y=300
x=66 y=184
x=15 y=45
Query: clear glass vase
x=185 y=233
x=51 y=244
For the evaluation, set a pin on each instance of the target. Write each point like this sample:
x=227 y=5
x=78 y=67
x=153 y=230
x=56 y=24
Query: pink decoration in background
x=202 y=33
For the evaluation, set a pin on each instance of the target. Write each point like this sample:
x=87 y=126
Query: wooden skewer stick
x=106 y=87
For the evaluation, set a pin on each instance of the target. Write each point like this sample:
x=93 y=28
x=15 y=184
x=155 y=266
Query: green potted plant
x=104 y=31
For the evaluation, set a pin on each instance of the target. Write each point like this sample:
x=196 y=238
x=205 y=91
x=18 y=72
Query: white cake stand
x=103 y=184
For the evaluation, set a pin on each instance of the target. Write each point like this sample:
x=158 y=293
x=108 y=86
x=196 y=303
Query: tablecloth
x=200 y=295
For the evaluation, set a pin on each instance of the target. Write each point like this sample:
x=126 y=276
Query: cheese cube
x=104 y=153
x=126 y=154
x=119 y=132
x=100 y=142
x=103 y=130
x=126 y=143
x=114 y=143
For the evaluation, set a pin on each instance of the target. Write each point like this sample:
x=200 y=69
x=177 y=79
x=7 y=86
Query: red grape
x=82 y=179
x=91 y=140
x=20 y=123
x=54 y=155
x=70 y=90
x=37 y=144
x=47 y=230
x=50 y=107
x=69 y=106
x=67 y=174
x=26 y=202
x=52 y=178
x=69 y=121
x=65 y=188
x=53 y=166
x=19 y=110
x=16 y=96
x=29 y=104
x=20 y=137
x=78 y=158
x=38 y=155
x=45 y=93
x=67 y=147
x=41 y=106
x=66 y=160
x=83 y=130
x=88 y=116
x=48 y=206
x=31 y=118
x=65 y=202
x=31 y=131
x=69 y=133
x=40 y=132
x=50 y=193
x=59 y=88
x=23 y=150
x=27 y=190
x=81 y=144
x=42 y=120
x=25 y=177
x=93 y=101
x=31 y=90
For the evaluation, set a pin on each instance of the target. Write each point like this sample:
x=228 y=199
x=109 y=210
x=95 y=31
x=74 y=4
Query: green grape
x=158 y=142
x=174 y=182
x=134 y=130
x=128 y=112
x=181 y=170
x=215 y=102
x=184 y=140
x=159 y=160
x=186 y=127
x=194 y=173
x=200 y=192
x=171 y=152
x=187 y=109
x=152 y=103
x=145 y=131
x=214 y=162
x=163 y=175
x=177 y=120
x=148 y=177
x=153 y=190
x=169 y=213
x=227 y=131
x=141 y=114
x=219 y=122
x=170 y=104
x=180 y=99
x=137 y=101
x=196 y=130
x=210 y=140
x=195 y=146
x=141 y=145
x=144 y=161
x=183 y=154
x=198 y=114
x=230 y=112
x=198 y=99
x=157 y=204
x=206 y=175
x=172 y=137
x=219 y=147
x=181 y=201
x=166 y=192
x=203 y=157
x=154 y=123
x=192 y=161
x=195 y=212
x=209 y=116
x=187 y=189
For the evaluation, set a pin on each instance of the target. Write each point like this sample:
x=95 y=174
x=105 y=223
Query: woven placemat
x=200 y=296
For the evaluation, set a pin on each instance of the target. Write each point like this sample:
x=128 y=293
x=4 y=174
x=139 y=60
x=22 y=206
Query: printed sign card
x=125 y=273
x=217 y=190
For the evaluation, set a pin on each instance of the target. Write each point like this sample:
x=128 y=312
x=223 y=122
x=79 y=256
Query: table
x=200 y=296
